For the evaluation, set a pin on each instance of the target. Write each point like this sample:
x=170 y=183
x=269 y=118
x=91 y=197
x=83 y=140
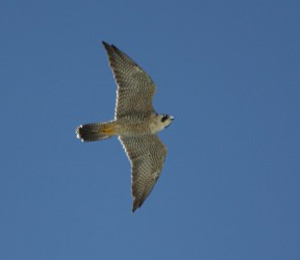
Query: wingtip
x=134 y=207
x=136 y=204
x=105 y=44
x=109 y=46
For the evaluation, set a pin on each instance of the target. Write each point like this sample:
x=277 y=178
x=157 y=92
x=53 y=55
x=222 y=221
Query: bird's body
x=136 y=123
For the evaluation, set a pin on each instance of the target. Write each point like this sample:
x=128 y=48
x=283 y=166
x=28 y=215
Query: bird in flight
x=135 y=123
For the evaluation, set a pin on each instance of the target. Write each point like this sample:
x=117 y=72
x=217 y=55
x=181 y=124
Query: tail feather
x=96 y=131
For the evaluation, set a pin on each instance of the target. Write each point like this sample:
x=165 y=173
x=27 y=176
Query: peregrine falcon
x=135 y=123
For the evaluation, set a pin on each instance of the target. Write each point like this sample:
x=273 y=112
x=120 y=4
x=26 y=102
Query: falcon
x=135 y=123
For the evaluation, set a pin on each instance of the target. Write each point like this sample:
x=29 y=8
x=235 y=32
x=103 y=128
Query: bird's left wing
x=147 y=155
x=135 y=87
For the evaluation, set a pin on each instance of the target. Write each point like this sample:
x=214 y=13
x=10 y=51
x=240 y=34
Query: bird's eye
x=164 y=118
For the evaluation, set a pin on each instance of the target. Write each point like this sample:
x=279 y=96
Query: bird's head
x=164 y=120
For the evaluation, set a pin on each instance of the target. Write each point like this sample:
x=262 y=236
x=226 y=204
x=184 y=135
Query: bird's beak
x=172 y=118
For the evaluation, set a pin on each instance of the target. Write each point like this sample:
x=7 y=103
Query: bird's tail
x=96 y=131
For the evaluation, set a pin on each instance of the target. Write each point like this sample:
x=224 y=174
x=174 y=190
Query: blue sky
x=228 y=71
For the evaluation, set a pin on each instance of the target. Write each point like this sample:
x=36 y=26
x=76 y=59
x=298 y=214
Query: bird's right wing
x=135 y=88
x=147 y=155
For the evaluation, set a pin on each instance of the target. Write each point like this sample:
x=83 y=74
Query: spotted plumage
x=136 y=123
